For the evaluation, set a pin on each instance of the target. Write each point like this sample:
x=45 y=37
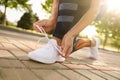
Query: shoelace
x=46 y=36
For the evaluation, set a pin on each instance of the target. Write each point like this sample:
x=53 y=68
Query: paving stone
x=1 y=78
x=3 y=40
x=90 y=75
x=49 y=75
x=112 y=73
x=76 y=66
x=6 y=54
x=118 y=72
x=21 y=46
x=1 y=45
x=16 y=51
x=104 y=75
x=77 y=58
x=15 y=64
x=104 y=67
x=72 y=75
x=37 y=65
x=11 y=63
x=32 y=45
x=29 y=44
x=18 y=74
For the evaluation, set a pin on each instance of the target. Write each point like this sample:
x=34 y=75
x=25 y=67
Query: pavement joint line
x=20 y=67
x=13 y=54
x=26 y=45
x=8 y=48
x=76 y=64
x=111 y=75
x=104 y=73
x=76 y=72
x=102 y=69
x=98 y=74
x=9 y=67
x=8 y=58
x=20 y=48
x=1 y=44
x=31 y=70
x=6 y=38
x=49 y=69
x=81 y=74
x=92 y=68
x=62 y=75
x=42 y=69
x=6 y=42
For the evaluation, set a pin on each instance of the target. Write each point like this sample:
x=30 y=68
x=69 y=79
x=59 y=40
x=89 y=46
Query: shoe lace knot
x=41 y=29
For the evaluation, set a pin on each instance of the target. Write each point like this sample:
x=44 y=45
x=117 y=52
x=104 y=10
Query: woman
x=69 y=18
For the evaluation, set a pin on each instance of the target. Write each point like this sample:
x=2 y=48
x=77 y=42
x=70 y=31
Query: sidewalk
x=15 y=65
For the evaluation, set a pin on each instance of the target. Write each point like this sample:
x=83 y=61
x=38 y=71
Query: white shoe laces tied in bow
x=46 y=36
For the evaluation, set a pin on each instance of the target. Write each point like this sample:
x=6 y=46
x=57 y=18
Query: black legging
x=70 y=12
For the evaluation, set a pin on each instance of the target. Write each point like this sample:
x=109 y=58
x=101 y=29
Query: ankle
x=58 y=40
x=82 y=43
x=92 y=43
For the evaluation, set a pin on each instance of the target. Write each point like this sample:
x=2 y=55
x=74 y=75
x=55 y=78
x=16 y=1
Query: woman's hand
x=47 y=25
x=67 y=45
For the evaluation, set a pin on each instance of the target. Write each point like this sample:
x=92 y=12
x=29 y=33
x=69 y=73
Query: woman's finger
x=68 y=52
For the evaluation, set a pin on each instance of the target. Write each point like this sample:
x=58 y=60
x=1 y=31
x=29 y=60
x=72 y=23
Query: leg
x=70 y=12
x=82 y=43
x=68 y=15
x=92 y=43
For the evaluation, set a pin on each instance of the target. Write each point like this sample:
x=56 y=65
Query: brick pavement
x=15 y=65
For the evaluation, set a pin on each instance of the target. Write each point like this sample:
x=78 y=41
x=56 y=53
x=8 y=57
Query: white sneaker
x=94 y=53
x=47 y=54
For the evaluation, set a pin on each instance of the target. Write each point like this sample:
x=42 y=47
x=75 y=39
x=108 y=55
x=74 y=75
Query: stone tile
x=6 y=54
x=118 y=72
x=18 y=74
x=49 y=75
x=16 y=51
x=112 y=73
x=1 y=78
x=37 y=65
x=21 y=46
x=20 y=55
x=90 y=75
x=97 y=67
x=77 y=58
x=3 y=40
x=14 y=61
x=104 y=75
x=29 y=44
x=11 y=63
x=72 y=75
x=76 y=66
x=1 y=46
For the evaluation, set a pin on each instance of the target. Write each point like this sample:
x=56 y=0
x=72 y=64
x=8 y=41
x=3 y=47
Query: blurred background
x=21 y=14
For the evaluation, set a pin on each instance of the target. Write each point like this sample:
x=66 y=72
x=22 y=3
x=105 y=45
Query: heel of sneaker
x=94 y=54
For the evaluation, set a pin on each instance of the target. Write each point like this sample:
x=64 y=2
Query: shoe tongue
x=53 y=41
